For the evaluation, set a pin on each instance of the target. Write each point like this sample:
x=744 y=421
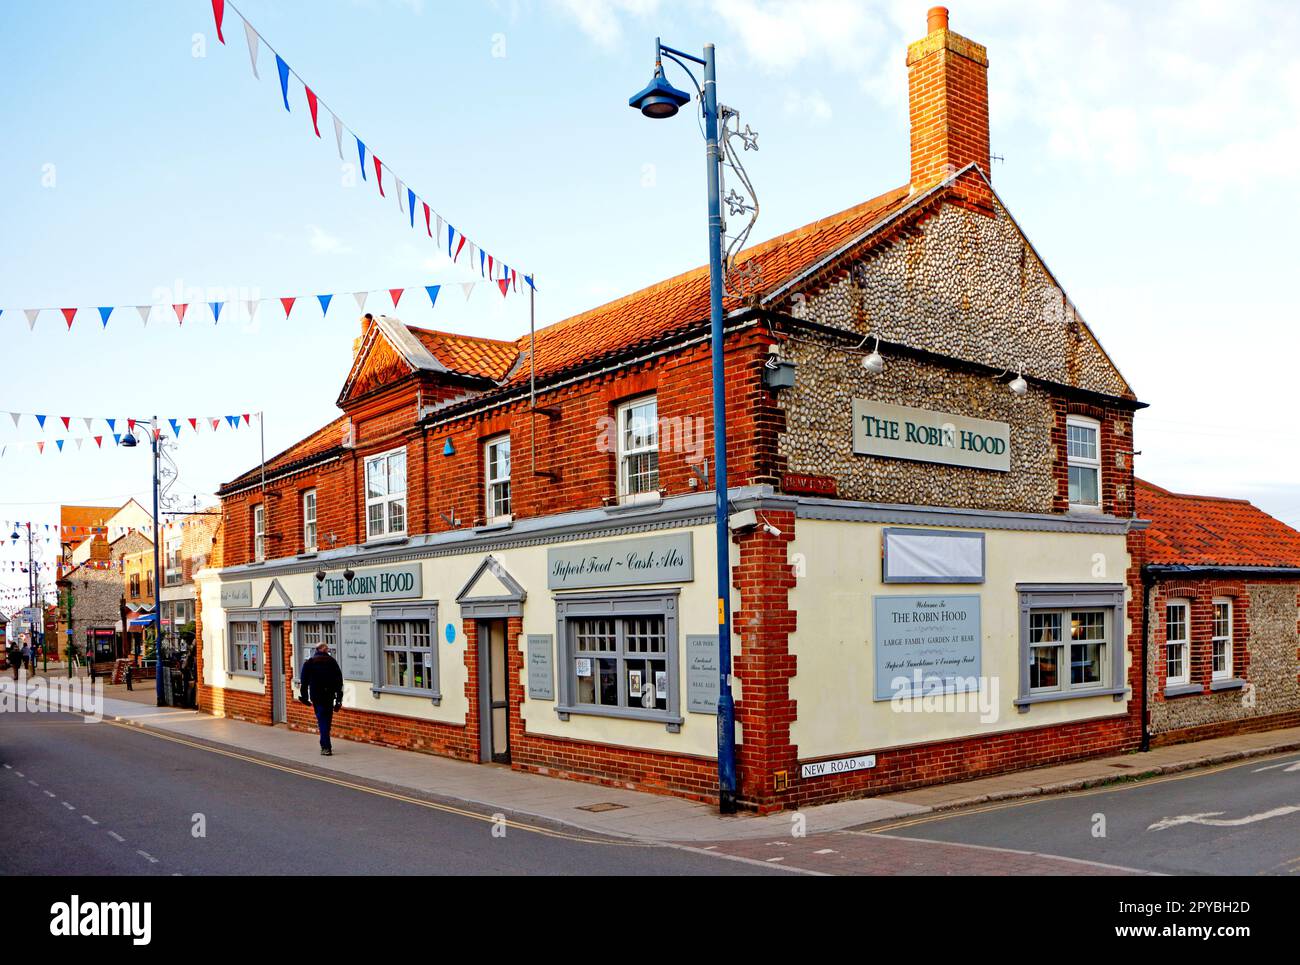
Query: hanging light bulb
x=1018 y=385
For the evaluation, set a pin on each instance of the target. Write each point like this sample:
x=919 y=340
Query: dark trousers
x=324 y=717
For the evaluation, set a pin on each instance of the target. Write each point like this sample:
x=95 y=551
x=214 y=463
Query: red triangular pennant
x=504 y=285
x=218 y=12
x=311 y=106
x=66 y=419
x=288 y=304
x=427 y=226
x=99 y=442
x=194 y=424
x=215 y=423
x=69 y=314
x=247 y=420
x=379 y=175
x=180 y=312
x=396 y=293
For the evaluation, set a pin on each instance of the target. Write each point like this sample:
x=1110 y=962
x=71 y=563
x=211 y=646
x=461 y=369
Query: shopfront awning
x=138 y=623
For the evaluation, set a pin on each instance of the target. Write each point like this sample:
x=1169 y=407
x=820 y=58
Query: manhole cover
x=603 y=806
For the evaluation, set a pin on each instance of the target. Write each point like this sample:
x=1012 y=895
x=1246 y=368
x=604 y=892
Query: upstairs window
x=1221 y=640
x=1177 y=643
x=638 y=449
x=496 y=461
x=386 y=494
x=309 y=521
x=1083 y=455
x=259 y=532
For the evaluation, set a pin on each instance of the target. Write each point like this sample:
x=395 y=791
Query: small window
x=386 y=494
x=406 y=655
x=1221 y=640
x=1047 y=650
x=259 y=532
x=1177 y=643
x=496 y=462
x=309 y=521
x=245 y=648
x=311 y=634
x=638 y=449
x=1071 y=642
x=1083 y=455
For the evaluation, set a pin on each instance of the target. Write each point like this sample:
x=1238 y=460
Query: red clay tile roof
x=489 y=358
x=322 y=440
x=1213 y=531
x=683 y=301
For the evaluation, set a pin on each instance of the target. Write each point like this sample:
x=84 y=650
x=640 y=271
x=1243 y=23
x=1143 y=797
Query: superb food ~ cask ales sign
x=900 y=432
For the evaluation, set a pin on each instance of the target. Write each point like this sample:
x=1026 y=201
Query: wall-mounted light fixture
x=1018 y=385
x=873 y=362
x=348 y=574
x=320 y=575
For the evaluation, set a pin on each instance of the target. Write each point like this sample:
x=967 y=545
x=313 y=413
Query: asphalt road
x=104 y=799
x=1243 y=819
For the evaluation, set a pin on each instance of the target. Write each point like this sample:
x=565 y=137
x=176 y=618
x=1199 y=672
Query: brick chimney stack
x=948 y=98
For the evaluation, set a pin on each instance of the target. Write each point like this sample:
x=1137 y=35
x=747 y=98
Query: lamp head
x=348 y=574
x=659 y=99
x=1018 y=385
x=129 y=440
x=874 y=363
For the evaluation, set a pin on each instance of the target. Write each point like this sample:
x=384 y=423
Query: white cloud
x=812 y=106
x=324 y=243
x=601 y=20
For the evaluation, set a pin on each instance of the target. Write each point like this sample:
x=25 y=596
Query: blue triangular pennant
x=216 y=311
x=433 y=294
x=410 y=204
x=482 y=263
x=451 y=233
x=361 y=153
x=59 y=443
x=324 y=302
x=104 y=312
x=283 y=68
x=232 y=420
x=176 y=427
x=529 y=279
x=117 y=439
x=111 y=424
x=41 y=420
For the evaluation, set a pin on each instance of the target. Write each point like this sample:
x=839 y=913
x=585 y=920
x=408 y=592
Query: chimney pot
x=936 y=19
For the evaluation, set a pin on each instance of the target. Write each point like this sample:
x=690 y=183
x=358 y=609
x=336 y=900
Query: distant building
x=186 y=548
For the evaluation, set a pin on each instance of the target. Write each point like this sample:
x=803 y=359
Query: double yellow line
x=391 y=795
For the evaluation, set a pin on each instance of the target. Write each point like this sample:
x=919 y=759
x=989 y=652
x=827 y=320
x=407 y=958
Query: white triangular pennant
x=88 y=420
x=15 y=416
x=31 y=314
x=251 y=36
x=468 y=287
x=79 y=441
x=338 y=133
x=361 y=300
x=252 y=307
x=401 y=202
x=144 y=311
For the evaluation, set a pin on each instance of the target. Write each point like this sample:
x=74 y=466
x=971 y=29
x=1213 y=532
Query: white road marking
x=1212 y=819
x=826 y=851
x=147 y=856
x=116 y=837
x=32 y=783
x=772 y=860
x=70 y=807
x=9 y=767
x=87 y=817
x=1290 y=766
x=18 y=774
x=49 y=794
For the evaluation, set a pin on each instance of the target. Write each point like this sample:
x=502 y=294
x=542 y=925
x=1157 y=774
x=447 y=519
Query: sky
x=1145 y=148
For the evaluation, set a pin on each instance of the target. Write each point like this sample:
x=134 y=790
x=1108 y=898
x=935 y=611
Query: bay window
x=1071 y=641
x=386 y=494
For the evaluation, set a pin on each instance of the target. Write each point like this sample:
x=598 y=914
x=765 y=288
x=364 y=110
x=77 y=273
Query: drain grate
x=602 y=806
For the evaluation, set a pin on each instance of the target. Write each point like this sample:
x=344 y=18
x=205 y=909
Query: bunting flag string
x=505 y=285
x=114 y=436
x=383 y=170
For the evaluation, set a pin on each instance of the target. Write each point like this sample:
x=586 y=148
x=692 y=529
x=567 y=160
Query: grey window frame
x=1065 y=597
x=253 y=617
x=324 y=614
x=617 y=605
x=382 y=612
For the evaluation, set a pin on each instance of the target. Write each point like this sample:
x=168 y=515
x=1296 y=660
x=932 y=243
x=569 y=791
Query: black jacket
x=322 y=680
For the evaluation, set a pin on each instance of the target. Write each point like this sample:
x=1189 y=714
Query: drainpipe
x=1148 y=581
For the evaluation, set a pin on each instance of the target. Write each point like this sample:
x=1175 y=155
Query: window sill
x=671 y=722
x=632 y=504
x=495 y=525
x=389 y=540
x=308 y=555
x=433 y=695
x=252 y=675
x=1183 y=690
x=1227 y=683
x=1028 y=700
x=1085 y=509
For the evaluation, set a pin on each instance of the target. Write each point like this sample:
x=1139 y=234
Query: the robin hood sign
x=381 y=583
x=900 y=432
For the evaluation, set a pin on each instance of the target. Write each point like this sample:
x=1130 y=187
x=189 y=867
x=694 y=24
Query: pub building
x=936 y=561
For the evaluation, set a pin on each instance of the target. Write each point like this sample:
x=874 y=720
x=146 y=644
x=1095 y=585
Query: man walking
x=322 y=687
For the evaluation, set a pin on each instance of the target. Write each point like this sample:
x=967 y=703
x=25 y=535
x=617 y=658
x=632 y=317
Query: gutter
x=1165 y=570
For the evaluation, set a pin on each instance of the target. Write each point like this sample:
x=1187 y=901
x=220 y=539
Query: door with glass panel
x=494 y=692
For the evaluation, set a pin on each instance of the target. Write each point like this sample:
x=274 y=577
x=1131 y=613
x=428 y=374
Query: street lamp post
x=130 y=440
x=659 y=99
